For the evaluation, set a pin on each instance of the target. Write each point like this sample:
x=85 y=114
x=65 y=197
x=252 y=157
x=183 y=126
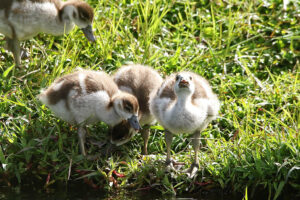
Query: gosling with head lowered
x=142 y=82
x=86 y=97
x=185 y=103
x=24 y=19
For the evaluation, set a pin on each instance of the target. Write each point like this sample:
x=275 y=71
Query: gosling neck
x=183 y=98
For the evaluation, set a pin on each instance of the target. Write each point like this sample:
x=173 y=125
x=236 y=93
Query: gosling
x=185 y=103
x=86 y=97
x=24 y=19
x=142 y=82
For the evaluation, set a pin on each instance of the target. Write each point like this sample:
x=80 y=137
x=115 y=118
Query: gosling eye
x=84 y=16
x=74 y=15
x=127 y=106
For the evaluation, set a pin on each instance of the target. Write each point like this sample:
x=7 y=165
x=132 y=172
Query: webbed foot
x=24 y=54
x=170 y=166
x=173 y=165
x=192 y=171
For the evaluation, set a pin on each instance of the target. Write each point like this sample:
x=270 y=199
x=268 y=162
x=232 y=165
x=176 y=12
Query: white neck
x=56 y=26
x=181 y=105
x=111 y=117
x=67 y=13
x=103 y=110
x=183 y=99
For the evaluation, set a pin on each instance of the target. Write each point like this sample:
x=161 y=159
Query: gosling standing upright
x=24 y=19
x=185 y=103
x=142 y=82
x=85 y=97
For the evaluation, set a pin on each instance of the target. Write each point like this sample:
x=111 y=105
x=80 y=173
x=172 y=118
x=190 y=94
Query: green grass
x=248 y=50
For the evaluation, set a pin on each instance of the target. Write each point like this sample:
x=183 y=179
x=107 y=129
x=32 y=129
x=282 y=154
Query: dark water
x=86 y=193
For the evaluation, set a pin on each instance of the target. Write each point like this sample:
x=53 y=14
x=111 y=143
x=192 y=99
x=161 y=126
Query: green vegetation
x=248 y=50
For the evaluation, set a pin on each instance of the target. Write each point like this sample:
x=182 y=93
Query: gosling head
x=184 y=84
x=81 y=14
x=127 y=107
x=121 y=133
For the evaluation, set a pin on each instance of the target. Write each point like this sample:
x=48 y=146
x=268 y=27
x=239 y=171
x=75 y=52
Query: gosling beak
x=88 y=32
x=184 y=83
x=134 y=122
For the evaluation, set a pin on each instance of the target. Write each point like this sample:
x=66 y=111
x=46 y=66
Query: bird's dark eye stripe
x=74 y=14
x=83 y=17
x=83 y=14
x=128 y=106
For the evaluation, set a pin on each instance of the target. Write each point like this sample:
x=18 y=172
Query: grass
x=248 y=50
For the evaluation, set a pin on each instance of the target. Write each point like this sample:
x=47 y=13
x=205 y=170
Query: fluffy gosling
x=142 y=82
x=185 y=103
x=86 y=97
x=24 y=19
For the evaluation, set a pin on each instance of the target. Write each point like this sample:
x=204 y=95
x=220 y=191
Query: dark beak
x=134 y=122
x=88 y=32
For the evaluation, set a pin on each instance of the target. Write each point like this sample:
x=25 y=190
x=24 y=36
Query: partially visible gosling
x=85 y=97
x=185 y=103
x=22 y=20
x=142 y=82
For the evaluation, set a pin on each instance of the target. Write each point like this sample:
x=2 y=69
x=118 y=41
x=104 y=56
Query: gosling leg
x=81 y=136
x=168 y=139
x=13 y=45
x=24 y=54
x=145 y=134
x=195 y=165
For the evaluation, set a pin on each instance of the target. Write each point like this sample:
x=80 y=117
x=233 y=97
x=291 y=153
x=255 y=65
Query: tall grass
x=248 y=50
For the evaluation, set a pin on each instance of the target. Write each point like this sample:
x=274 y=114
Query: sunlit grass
x=248 y=50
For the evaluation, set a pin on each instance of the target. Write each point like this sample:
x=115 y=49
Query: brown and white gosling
x=86 y=97
x=185 y=103
x=24 y=19
x=142 y=82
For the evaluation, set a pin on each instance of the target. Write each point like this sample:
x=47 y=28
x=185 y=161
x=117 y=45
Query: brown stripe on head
x=85 y=11
x=130 y=102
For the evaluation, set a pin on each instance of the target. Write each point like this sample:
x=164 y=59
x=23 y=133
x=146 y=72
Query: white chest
x=184 y=118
